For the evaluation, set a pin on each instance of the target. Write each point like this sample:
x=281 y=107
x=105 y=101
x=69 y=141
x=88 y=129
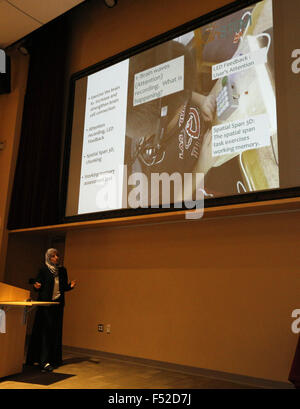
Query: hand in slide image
x=207 y=105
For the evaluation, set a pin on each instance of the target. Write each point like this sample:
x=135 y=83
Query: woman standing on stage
x=45 y=345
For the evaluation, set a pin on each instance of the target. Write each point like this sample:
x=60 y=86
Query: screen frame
x=249 y=197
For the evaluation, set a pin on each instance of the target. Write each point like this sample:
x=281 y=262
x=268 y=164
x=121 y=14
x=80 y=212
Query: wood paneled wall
x=215 y=294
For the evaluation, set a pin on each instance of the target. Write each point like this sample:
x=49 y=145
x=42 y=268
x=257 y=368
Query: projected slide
x=201 y=104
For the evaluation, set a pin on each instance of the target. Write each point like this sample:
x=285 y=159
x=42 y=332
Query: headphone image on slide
x=149 y=150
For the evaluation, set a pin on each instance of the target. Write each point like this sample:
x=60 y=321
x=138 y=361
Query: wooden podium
x=13 y=301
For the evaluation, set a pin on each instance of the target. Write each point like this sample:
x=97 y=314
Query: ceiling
x=19 y=18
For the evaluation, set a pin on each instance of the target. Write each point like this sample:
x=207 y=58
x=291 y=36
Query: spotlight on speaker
x=110 y=3
x=23 y=50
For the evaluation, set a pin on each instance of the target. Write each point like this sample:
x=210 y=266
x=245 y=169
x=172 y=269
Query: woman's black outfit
x=46 y=340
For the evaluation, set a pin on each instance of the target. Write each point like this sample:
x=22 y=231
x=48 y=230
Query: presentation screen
x=189 y=116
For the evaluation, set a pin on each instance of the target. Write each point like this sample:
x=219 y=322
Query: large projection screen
x=192 y=114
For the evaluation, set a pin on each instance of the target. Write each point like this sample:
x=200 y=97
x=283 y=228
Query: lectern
x=13 y=301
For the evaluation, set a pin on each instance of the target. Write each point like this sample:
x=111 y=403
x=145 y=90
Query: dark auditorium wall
x=214 y=293
x=11 y=109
